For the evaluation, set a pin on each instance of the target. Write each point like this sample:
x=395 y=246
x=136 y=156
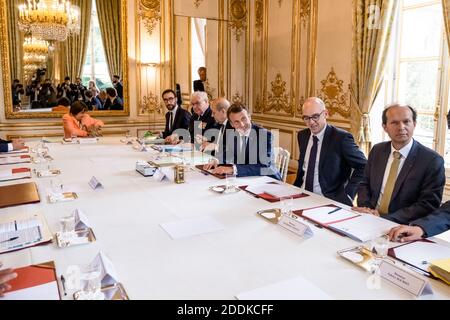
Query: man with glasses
x=176 y=117
x=202 y=119
x=330 y=162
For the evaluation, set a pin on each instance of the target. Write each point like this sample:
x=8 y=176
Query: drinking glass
x=91 y=283
x=380 y=247
x=286 y=205
x=73 y=138
x=230 y=183
x=56 y=186
x=67 y=227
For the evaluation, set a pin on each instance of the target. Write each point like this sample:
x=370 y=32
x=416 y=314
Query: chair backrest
x=282 y=157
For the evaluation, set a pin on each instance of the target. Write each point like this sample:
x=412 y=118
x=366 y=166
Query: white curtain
x=200 y=31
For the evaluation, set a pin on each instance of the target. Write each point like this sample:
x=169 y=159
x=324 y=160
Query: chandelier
x=34 y=59
x=51 y=20
x=32 y=45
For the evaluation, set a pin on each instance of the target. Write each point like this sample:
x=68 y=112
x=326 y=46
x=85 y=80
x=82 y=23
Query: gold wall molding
x=278 y=99
x=259 y=16
x=280 y=3
x=197 y=3
x=238 y=15
x=332 y=93
x=150 y=104
x=237 y=98
x=150 y=13
x=305 y=11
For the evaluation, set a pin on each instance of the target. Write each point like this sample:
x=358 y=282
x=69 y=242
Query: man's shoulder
x=426 y=153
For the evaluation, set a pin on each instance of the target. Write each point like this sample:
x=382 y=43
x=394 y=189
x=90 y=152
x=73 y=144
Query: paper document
x=192 y=227
x=48 y=291
x=328 y=214
x=280 y=190
x=421 y=253
x=294 y=289
x=15 y=159
x=15 y=174
x=365 y=227
x=18 y=234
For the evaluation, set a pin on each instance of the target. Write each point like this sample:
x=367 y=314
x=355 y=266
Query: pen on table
x=8 y=240
x=335 y=210
x=63 y=282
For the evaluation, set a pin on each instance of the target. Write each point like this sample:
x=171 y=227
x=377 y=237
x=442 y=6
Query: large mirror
x=55 y=52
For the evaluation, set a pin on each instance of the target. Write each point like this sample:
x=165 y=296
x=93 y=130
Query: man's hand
x=211 y=165
x=5 y=276
x=18 y=144
x=366 y=211
x=406 y=233
x=223 y=171
x=173 y=140
x=207 y=146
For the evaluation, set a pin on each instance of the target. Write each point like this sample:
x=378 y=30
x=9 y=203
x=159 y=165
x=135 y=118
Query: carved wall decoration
x=259 y=16
x=301 y=102
x=332 y=93
x=150 y=13
x=278 y=99
x=258 y=106
x=209 y=90
x=150 y=104
x=238 y=17
x=305 y=11
x=197 y=3
x=237 y=99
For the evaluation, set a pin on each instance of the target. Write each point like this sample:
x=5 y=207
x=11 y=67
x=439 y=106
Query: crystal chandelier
x=32 y=45
x=34 y=59
x=51 y=20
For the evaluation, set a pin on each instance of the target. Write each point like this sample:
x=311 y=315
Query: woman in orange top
x=78 y=122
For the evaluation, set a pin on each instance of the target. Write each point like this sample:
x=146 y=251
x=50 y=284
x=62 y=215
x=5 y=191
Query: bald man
x=330 y=162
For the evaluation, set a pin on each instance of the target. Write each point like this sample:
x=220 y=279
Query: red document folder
x=271 y=198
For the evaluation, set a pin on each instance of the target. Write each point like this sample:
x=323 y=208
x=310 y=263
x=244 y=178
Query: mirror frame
x=6 y=74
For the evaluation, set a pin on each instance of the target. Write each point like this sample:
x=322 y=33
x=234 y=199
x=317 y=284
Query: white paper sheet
x=365 y=227
x=325 y=215
x=280 y=190
x=420 y=253
x=191 y=227
x=48 y=291
x=5 y=174
x=294 y=289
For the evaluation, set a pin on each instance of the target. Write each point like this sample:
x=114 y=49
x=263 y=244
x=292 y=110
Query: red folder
x=271 y=198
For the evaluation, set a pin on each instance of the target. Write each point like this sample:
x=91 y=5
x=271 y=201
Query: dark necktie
x=170 y=120
x=309 y=184
x=243 y=148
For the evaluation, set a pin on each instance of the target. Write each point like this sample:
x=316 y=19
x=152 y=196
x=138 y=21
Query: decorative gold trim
x=298 y=122
x=305 y=11
x=150 y=13
x=277 y=99
x=150 y=104
x=332 y=93
x=4 y=53
x=238 y=14
x=259 y=16
x=237 y=99
x=280 y=3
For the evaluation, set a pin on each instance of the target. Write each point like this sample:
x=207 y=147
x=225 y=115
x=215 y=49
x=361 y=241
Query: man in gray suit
x=403 y=180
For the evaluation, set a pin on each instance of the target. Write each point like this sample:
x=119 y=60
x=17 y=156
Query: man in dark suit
x=403 y=180
x=118 y=86
x=92 y=102
x=10 y=145
x=330 y=162
x=199 y=84
x=428 y=226
x=113 y=102
x=202 y=119
x=176 y=117
x=248 y=150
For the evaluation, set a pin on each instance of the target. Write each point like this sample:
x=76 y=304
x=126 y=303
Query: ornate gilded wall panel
x=150 y=13
x=333 y=94
x=238 y=17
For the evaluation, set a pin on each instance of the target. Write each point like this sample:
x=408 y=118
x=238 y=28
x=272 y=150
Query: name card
x=159 y=175
x=404 y=279
x=95 y=184
x=108 y=272
x=87 y=141
x=81 y=221
x=292 y=223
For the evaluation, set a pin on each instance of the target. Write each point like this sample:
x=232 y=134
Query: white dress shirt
x=320 y=135
x=404 y=154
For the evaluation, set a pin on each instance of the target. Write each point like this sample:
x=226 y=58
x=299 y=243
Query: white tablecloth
x=126 y=214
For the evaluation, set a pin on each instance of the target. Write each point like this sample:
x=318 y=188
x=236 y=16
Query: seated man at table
x=7 y=146
x=6 y=275
x=403 y=180
x=248 y=149
x=78 y=123
x=428 y=226
x=176 y=117
x=202 y=119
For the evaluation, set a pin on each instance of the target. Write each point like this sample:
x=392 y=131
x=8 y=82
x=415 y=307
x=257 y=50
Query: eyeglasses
x=169 y=99
x=314 y=117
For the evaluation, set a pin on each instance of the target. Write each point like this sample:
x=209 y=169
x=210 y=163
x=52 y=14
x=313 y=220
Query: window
x=417 y=73
x=95 y=66
x=198 y=45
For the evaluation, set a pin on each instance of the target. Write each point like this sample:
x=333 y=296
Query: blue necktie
x=309 y=184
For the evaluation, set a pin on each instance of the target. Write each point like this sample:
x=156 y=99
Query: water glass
x=91 y=283
x=230 y=183
x=286 y=205
x=56 y=186
x=73 y=138
x=67 y=227
x=380 y=247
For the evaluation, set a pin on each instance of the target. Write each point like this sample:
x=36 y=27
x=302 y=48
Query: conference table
x=126 y=214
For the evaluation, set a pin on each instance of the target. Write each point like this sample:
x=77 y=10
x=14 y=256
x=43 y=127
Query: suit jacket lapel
x=303 y=147
x=380 y=167
x=409 y=163
x=323 y=150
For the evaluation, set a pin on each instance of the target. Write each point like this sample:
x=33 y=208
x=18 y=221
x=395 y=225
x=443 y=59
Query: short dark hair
x=111 y=92
x=66 y=78
x=168 y=91
x=236 y=108
x=395 y=105
x=116 y=76
x=64 y=102
x=88 y=93
x=201 y=69
x=77 y=107
x=16 y=81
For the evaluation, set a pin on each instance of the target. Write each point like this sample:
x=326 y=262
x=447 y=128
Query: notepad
x=327 y=215
x=15 y=174
x=15 y=159
x=36 y=282
x=192 y=227
x=441 y=269
x=293 y=289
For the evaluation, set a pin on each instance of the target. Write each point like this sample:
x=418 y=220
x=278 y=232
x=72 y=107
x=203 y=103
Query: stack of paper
x=327 y=215
x=15 y=160
x=15 y=174
x=441 y=269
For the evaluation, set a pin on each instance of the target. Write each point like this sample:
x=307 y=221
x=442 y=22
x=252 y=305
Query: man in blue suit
x=7 y=146
x=403 y=180
x=330 y=163
x=248 y=150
